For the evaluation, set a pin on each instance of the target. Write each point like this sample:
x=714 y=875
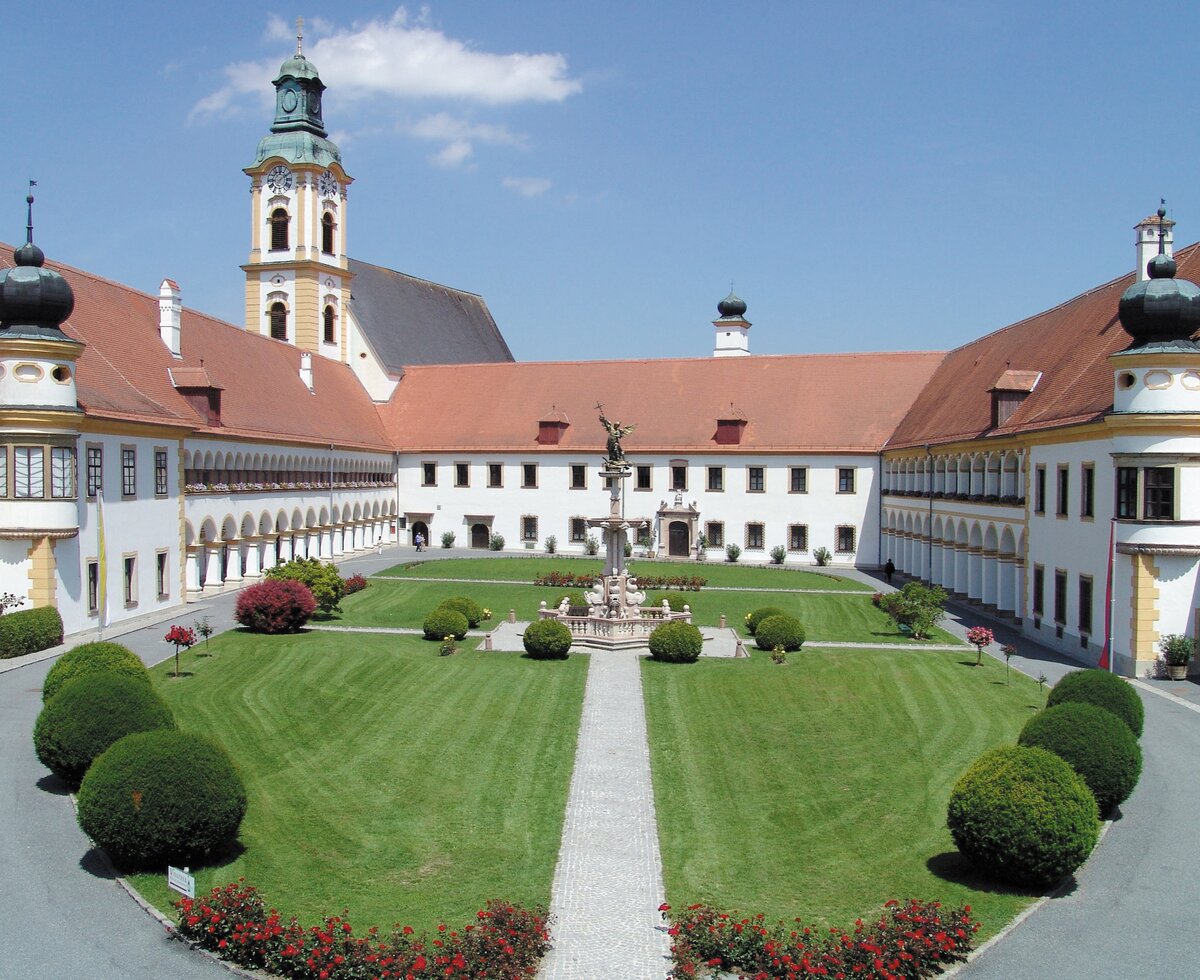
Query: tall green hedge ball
x=162 y=797
x=780 y=631
x=443 y=622
x=89 y=714
x=1105 y=690
x=547 y=639
x=758 y=615
x=465 y=605
x=1096 y=743
x=676 y=643
x=1022 y=815
x=93 y=658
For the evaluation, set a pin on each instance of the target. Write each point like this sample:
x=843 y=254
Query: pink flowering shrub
x=504 y=942
x=275 y=606
x=906 y=942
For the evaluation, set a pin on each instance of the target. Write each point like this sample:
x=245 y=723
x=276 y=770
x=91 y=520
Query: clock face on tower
x=327 y=184
x=289 y=100
x=279 y=179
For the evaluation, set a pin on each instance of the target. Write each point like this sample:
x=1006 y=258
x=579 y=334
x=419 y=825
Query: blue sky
x=875 y=176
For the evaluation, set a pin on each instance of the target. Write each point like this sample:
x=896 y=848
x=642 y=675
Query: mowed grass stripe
x=818 y=790
x=383 y=778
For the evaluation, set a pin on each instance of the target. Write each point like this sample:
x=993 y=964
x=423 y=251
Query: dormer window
x=327 y=233
x=279 y=230
x=1009 y=393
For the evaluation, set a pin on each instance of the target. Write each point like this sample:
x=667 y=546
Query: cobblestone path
x=608 y=883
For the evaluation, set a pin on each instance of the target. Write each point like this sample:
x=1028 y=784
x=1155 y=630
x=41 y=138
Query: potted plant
x=1177 y=651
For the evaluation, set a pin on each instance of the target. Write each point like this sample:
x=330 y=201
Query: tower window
x=329 y=335
x=279 y=230
x=278 y=321
x=326 y=233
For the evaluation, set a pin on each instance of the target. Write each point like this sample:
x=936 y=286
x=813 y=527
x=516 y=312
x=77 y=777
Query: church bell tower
x=297 y=277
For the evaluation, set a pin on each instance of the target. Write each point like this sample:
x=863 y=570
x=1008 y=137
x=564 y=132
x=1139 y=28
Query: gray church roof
x=414 y=321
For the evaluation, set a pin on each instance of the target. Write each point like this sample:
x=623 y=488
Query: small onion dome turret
x=34 y=301
x=1161 y=310
x=732 y=307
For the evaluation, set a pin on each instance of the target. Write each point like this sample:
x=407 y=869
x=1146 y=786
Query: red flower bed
x=505 y=942
x=906 y=942
x=585 y=580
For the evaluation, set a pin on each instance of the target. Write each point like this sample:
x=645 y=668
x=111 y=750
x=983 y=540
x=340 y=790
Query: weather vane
x=29 y=212
x=299 y=35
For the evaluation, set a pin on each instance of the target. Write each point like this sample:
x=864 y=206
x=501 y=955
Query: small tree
x=551 y=544
x=979 y=637
x=732 y=552
x=204 y=629
x=447 y=539
x=322 y=579
x=591 y=546
x=182 y=637
x=916 y=606
x=1009 y=652
x=496 y=542
x=778 y=554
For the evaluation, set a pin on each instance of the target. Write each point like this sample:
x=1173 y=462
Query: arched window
x=327 y=233
x=278 y=321
x=329 y=335
x=279 y=230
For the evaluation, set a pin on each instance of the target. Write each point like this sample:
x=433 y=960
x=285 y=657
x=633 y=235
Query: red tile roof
x=1069 y=344
x=124 y=372
x=799 y=403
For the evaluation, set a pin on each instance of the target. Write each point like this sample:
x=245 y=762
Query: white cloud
x=527 y=186
x=460 y=136
x=453 y=154
x=403 y=58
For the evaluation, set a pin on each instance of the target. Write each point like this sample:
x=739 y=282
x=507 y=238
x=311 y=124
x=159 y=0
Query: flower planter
x=1177 y=672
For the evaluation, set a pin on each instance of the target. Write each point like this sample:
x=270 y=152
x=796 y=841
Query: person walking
x=888 y=570
x=419 y=540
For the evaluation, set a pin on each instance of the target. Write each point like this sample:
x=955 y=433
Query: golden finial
x=299 y=36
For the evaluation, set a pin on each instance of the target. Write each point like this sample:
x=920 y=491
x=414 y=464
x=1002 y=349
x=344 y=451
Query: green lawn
x=717 y=573
x=819 y=789
x=849 y=618
x=383 y=778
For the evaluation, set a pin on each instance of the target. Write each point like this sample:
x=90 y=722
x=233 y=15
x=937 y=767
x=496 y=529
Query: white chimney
x=306 y=369
x=1147 y=240
x=170 y=309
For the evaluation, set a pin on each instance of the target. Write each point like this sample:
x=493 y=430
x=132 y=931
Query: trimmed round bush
x=676 y=643
x=756 y=617
x=547 y=639
x=780 y=631
x=1096 y=743
x=444 y=622
x=471 y=609
x=275 y=606
x=89 y=714
x=574 y=598
x=1104 y=690
x=162 y=797
x=93 y=658
x=1022 y=815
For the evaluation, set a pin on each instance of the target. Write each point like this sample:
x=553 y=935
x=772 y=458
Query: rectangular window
x=529 y=529
x=755 y=534
x=716 y=479
x=1127 y=492
x=578 y=476
x=95 y=470
x=756 y=481
x=160 y=575
x=128 y=471
x=714 y=534
x=462 y=475
x=641 y=480
x=1039 y=490
x=1087 y=494
x=93 y=587
x=429 y=474
x=1060 y=597
x=1039 y=591
x=62 y=471
x=1063 y=494
x=130 y=572
x=160 y=472
x=679 y=476
x=1158 y=493
x=797 y=537
x=846 y=480
x=844 y=535
x=529 y=476
x=798 y=479
x=28 y=476
x=495 y=475
x=578 y=529
x=1085 y=604
x=3 y=471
